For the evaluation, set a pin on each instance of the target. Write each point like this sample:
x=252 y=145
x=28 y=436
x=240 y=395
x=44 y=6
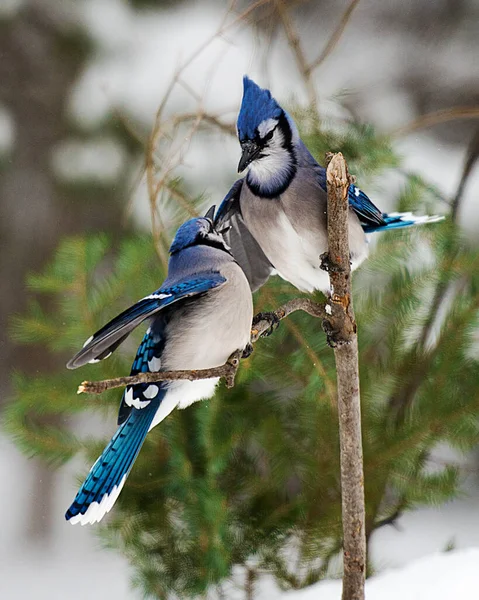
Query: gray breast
x=292 y=230
x=206 y=331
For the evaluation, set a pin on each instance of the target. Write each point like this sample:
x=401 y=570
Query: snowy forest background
x=81 y=83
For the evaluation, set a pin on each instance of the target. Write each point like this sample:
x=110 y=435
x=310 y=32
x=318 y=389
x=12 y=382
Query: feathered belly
x=204 y=336
x=295 y=256
x=295 y=252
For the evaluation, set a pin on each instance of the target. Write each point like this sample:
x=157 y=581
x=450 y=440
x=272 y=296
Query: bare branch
x=335 y=37
x=435 y=118
x=295 y=45
x=341 y=330
x=228 y=370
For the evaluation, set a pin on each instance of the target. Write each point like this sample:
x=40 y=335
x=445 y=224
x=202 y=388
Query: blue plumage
x=108 y=474
x=280 y=205
x=108 y=338
x=199 y=316
x=257 y=106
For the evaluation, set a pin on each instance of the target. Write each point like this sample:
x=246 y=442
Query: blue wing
x=370 y=216
x=109 y=337
x=147 y=360
x=373 y=220
x=246 y=250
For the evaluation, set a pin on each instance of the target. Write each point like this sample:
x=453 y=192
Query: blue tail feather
x=372 y=219
x=399 y=221
x=103 y=484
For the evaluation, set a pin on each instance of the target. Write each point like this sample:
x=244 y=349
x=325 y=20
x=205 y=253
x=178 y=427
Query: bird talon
x=271 y=317
x=248 y=350
x=328 y=265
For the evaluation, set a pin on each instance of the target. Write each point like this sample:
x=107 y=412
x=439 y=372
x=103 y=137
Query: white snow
x=446 y=576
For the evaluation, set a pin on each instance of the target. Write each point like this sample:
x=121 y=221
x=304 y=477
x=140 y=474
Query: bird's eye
x=269 y=136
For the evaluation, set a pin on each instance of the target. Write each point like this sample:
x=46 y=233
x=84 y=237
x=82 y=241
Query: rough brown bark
x=341 y=328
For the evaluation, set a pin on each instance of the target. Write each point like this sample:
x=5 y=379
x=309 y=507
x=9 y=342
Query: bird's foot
x=248 y=350
x=328 y=265
x=334 y=336
x=272 y=319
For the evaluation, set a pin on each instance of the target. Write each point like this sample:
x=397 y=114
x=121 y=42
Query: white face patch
x=266 y=126
x=275 y=163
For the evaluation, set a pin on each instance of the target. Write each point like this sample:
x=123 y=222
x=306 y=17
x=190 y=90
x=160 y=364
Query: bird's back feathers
x=101 y=344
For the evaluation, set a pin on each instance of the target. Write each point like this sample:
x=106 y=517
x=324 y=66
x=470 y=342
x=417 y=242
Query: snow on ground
x=447 y=576
x=69 y=563
x=136 y=57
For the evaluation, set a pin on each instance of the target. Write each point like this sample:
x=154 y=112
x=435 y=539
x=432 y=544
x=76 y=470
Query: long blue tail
x=400 y=220
x=372 y=219
x=103 y=484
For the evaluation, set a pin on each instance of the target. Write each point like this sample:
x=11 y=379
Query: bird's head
x=199 y=231
x=267 y=136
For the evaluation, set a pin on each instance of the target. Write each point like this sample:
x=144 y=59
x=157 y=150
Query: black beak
x=210 y=213
x=250 y=152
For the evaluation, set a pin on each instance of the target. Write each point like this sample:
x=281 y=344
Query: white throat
x=274 y=169
x=271 y=167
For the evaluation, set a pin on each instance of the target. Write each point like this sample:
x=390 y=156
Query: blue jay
x=277 y=213
x=199 y=316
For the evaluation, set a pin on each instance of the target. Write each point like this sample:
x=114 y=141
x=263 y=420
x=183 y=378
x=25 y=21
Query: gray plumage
x=292 y=228
x=199 y=316
x=277 y=213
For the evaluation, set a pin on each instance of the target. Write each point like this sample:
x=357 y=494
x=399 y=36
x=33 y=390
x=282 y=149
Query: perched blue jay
x=277 y=213
x=199 y=316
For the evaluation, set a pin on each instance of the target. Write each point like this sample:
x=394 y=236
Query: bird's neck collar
x=271 y=175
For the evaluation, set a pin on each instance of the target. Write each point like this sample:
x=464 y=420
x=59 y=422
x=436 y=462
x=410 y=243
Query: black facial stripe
x=214 y=244
x=283 y=124
x=285 y=128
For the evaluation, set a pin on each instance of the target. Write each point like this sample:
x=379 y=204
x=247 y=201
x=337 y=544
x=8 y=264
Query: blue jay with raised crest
x=199 y=316
x=276 y=214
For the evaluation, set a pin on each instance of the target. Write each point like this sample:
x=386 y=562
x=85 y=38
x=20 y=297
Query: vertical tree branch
x=250 y=583
x=335 y=36
x=341 y=328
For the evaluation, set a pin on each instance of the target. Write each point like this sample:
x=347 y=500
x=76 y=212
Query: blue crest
x=257 y=106
x=188 y=233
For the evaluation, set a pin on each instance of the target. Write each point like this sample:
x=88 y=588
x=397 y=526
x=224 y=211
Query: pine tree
x=250 y=479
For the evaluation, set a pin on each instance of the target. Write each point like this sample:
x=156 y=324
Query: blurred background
x=117 y=118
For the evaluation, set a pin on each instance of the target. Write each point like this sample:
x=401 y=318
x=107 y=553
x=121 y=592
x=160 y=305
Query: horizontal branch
x=226 y=371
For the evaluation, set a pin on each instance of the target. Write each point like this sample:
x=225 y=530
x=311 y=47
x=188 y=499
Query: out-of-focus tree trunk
x=36 y=74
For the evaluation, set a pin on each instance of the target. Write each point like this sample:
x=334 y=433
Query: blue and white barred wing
x=372 y=219
x=101 y=344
